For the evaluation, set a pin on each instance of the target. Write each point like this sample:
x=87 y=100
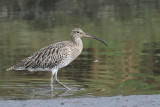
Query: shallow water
x=128 y=66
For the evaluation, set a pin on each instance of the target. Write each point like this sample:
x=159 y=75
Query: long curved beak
x=90 y=36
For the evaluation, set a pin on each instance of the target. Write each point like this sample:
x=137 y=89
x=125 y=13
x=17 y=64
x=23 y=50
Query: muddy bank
x=115 y=101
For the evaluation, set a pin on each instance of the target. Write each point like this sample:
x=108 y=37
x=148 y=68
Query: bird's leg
x=60 y=82
x=51 y=79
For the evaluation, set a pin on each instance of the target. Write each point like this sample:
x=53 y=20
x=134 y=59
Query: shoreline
x=115 y=101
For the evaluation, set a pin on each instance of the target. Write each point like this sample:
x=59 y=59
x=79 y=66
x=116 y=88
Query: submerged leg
x=60 y=82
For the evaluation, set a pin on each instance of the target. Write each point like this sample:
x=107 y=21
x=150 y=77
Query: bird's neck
x=77 y=41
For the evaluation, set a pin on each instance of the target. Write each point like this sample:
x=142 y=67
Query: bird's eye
x=77 y=32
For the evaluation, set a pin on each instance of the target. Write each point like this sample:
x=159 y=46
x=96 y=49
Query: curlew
x=55 y=56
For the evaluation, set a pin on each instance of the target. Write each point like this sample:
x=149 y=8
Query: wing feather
x=55 y=55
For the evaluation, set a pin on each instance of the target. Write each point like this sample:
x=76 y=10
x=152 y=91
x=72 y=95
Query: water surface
x=128 y=66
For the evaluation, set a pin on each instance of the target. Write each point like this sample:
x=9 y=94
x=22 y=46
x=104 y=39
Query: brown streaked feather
x=54 y=56
x=47 y=57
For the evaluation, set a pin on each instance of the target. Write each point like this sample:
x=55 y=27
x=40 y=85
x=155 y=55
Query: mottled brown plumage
x=52 y=56
x=55 y=56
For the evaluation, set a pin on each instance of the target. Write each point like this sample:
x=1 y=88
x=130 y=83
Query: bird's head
x=78 y=33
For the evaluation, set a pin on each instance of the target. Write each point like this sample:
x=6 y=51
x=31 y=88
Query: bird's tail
x=11 y=68
x=15 y=68
x=18 y=66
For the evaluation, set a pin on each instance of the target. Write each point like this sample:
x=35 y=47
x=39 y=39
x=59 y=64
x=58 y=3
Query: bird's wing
x=48 y=57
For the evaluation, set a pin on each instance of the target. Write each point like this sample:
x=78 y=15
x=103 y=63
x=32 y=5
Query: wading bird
x=55 y=56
